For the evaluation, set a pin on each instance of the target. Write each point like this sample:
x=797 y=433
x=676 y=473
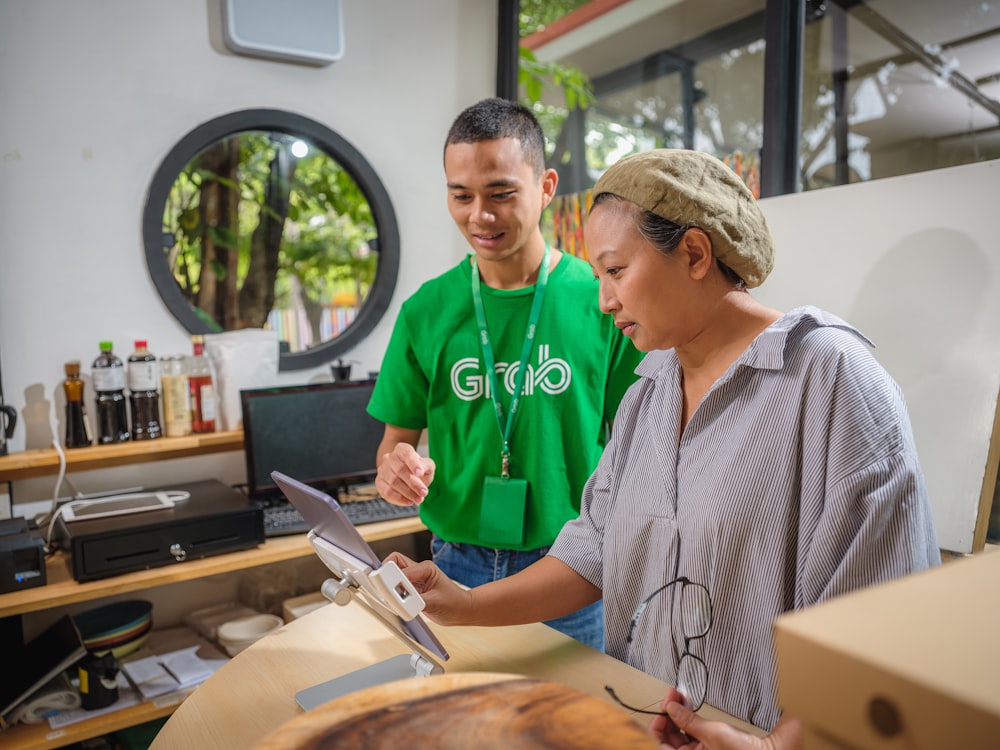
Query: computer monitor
x=319 y=433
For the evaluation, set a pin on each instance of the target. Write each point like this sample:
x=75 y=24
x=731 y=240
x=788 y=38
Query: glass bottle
x=108 y=374
x=77 y=429
x=144 y=396
x=202 y=388
x=176 y=404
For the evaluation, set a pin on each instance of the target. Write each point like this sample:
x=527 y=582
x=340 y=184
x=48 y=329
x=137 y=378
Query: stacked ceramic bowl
x=236 y=635
x=119 y=628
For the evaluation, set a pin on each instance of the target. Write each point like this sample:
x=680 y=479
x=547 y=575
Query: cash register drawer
x=214 y=520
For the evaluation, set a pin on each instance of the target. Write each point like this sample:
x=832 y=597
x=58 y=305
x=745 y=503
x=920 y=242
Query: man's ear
x=699 y=252
x=550 y=178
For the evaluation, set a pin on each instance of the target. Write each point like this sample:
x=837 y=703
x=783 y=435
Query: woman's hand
x=685 y=730
x=445 y=602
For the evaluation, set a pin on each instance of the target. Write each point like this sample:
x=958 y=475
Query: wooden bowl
x=463 y=710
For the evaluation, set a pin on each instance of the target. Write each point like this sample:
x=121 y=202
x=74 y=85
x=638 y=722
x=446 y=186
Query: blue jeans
x=474 y=566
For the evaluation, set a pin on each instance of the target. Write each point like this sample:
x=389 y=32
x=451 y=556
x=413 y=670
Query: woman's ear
x=699 y=252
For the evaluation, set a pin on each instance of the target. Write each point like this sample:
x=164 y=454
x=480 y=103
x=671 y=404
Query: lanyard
x=491 y=370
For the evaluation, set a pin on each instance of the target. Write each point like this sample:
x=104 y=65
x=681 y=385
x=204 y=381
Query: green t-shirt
x=432 y=377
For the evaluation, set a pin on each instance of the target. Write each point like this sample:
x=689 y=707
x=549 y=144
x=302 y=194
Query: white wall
x=913 y=262
x=94 y=93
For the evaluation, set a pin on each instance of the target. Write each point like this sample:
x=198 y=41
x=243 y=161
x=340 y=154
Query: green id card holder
x=501 y=520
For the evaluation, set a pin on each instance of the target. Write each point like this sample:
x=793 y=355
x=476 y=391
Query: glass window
x=892 y=87
x=889 y=87
x=672 y=74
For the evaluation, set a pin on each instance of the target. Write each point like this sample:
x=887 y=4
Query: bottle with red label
x=201 y=387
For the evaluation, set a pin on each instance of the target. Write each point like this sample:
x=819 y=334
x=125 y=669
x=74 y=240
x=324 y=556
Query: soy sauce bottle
x=77 y=429
x=108 y=375
x=144 y=395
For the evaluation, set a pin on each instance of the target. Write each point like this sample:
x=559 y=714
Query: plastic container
x=176 y=403
x=201 y=386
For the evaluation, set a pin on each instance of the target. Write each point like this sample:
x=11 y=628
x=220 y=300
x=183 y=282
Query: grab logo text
x=551 y=374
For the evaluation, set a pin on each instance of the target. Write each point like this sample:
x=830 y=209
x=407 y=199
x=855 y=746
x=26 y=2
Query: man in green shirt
x=514 y=316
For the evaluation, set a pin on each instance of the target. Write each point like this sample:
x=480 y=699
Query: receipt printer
x=22 y=556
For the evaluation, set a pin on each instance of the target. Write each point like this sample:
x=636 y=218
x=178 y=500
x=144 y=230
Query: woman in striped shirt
x=763 y=462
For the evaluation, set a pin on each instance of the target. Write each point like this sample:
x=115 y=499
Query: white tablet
x=116 y=505
x=334 y=530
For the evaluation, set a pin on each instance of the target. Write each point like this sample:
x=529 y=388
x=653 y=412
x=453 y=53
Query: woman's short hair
x=663 y=234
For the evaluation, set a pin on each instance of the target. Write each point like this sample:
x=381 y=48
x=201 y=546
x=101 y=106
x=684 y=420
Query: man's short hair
x=496 y=118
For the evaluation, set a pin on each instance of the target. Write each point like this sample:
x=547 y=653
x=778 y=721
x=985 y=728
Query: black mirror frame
x=337 y=147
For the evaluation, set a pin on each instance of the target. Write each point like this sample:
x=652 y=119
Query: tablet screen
x=58 y=648
x=329 y=522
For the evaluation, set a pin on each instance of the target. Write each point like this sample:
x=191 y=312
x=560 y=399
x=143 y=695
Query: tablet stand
x=342 y=591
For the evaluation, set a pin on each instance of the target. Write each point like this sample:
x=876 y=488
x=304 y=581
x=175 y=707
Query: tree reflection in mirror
x=267 y=227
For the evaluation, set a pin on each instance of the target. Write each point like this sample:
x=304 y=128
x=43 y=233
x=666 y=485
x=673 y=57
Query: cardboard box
x=911 y=664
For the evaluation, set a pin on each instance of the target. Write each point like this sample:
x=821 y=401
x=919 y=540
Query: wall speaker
x=301 y=31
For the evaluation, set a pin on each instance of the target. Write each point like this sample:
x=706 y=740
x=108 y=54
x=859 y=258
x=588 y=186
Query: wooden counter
x=254 y=693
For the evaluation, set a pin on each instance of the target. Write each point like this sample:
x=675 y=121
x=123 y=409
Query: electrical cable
x=167 y=497
x=54 y=510
x=62 y=473
x=57 y=695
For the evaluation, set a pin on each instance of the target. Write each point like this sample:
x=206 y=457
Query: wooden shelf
x=62 y=589
x=45 y=461
x=41 y=736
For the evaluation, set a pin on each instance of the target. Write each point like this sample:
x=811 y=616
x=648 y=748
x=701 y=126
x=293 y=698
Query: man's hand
x=404 y=475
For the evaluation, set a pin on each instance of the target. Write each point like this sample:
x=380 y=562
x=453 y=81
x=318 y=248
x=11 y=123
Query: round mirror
x=266 y=219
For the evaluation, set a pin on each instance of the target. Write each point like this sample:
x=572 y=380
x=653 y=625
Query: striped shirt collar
x=766 y=352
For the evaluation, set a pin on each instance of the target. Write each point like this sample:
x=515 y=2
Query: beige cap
x=695 y=189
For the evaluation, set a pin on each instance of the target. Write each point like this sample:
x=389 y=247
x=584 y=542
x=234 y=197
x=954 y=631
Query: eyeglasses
x=696 y=620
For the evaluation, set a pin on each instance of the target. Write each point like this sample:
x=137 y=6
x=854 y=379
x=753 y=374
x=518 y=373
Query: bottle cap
x=105 y=346
x=140 y=343
x=72 y=368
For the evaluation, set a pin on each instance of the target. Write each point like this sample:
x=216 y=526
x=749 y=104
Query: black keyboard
x=282 y=519
x=377 y=509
